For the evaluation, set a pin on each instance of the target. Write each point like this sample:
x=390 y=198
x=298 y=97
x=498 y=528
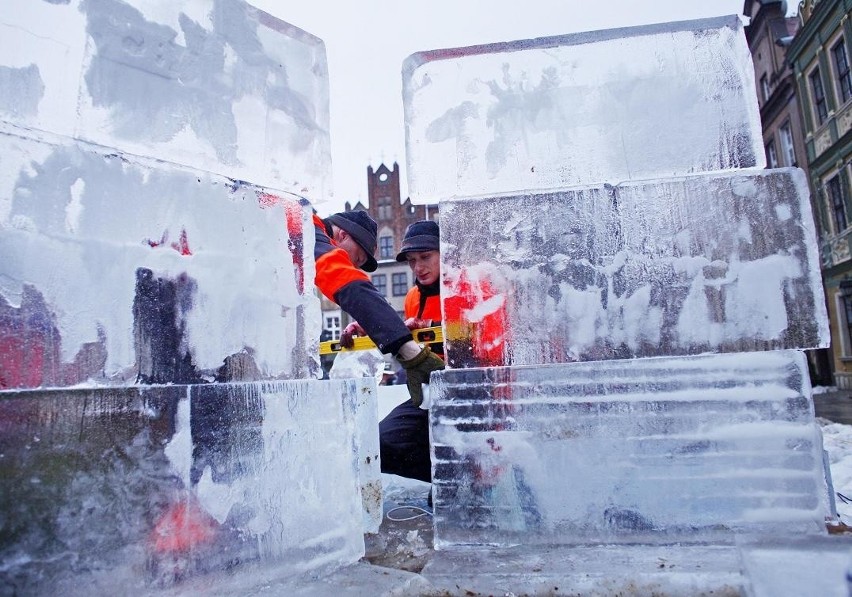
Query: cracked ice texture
x=122 y=270
x=720 y=262
x=92 y=479
x=638 y=450
x=605 y=106
x=213 y=84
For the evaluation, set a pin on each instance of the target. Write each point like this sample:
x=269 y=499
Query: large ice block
x=123 y=269
x=660 y=449
x=213 y=84
x=112 y=491
x=605 y=106
x=720 y=262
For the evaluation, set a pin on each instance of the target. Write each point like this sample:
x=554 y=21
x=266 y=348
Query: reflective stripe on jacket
x=425 y=307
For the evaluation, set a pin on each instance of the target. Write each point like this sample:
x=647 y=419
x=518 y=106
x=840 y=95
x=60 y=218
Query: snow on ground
x=837 y=441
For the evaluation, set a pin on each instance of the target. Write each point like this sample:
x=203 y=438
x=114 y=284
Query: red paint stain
x=181 y=245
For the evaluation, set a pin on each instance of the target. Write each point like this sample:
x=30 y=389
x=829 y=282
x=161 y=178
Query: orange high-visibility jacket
x=351 y=288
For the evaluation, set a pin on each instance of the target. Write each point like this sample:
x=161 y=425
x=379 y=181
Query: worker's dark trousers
x=404 y=442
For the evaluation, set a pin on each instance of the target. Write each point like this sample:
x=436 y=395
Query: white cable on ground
x=421 y=512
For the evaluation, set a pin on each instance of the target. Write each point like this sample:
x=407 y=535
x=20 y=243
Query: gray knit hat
x=363 y=229
x=420 y=236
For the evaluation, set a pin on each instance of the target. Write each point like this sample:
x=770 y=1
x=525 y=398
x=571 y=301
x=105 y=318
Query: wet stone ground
x=404 y=540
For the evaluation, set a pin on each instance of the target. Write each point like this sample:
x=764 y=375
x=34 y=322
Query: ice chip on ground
x=720 y=262
x=358 y=363
x=126 y=489
x=655 y=449
x=219 y=86
x=622 y=104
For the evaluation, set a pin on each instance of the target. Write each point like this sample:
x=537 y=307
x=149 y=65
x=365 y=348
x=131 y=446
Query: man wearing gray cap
x=346 y=241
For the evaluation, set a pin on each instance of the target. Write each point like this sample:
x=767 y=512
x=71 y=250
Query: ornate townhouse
x=819 y=55
x=770 y=33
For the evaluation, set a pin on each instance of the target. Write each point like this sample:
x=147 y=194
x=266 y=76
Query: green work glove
x=419 y=368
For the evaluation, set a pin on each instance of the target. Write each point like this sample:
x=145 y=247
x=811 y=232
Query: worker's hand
x=419 y=368
x=348 y=334
x=413 y=323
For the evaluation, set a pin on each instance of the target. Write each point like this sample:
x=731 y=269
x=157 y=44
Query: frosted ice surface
x=657 y=449
x=622 y=104
x=216 y=85
x=127 y=488
x=720 y=262
x=791 y=567
x=597 y=570
x=122 y=270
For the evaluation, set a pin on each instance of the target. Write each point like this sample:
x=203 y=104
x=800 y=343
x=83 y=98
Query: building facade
x=393 y=215
x=769 y=34
x=819 y=55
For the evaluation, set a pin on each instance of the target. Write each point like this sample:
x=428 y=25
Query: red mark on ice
x=268 y=199
x=181 y=245
x=184 y=526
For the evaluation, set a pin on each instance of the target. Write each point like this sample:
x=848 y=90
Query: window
x=380 y=281
x=844 y=306
x=837 y=203
x=841 y=65
x=332 y=324
x=820 y=106
x=771 y=156
x=788 y=152
x=400 y=284
x=385 y=247
x=385 y=211
x=764 y=87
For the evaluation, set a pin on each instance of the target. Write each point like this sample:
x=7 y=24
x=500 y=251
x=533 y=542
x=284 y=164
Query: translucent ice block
x=216 y=85
x=719 y=262
x=622 y=104
x=659 y=449
x=122 y=269
x=115 y=490
x=365 y=407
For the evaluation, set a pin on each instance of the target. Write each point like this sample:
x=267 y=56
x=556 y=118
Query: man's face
x=356 y=254
x=426 y=265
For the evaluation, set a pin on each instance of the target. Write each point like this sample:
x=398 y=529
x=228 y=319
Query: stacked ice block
x=133 y=251
x=603 y=221
x=122 y=490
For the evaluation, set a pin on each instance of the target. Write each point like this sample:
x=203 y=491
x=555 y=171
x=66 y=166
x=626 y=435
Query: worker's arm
x=351 y=288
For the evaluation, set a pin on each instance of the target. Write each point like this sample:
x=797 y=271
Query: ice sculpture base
x=784 y=568
x=145 y=487
x=632 y=451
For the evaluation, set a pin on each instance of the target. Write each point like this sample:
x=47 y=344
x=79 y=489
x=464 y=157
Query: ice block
x=644 y=450
x=721 y=262
x=215 y=85
x=122 y=490
x=124 y=270
x=603 y=106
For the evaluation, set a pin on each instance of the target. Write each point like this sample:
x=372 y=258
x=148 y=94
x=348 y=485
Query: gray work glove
x=419 y=368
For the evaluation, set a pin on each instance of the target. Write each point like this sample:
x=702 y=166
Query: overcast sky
x=367 y=42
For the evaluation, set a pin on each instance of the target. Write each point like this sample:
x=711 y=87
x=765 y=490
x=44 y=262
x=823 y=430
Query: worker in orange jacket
x=404 y=432
x=345 y=242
